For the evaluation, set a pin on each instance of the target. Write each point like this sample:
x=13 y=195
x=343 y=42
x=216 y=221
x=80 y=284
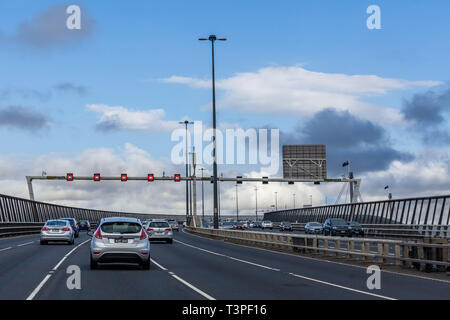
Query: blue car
x=74 y=225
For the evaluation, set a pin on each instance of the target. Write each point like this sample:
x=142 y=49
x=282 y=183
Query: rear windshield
x=159 y=224
x=338 y=222
x=121 y=227
x=56 y=223
x=315 y=224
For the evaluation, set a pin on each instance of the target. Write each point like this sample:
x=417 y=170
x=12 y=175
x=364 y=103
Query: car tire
x=43 y=243
x=146 y=265
x=170 y=241
x=94 y=264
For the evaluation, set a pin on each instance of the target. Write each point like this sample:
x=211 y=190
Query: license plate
x=121 y=241
x=55 y=230
x=159 y=233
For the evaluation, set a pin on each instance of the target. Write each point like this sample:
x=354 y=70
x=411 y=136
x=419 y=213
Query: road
x=195 y=268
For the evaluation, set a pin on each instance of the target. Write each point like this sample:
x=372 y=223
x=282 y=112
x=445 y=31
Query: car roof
x=120 y=219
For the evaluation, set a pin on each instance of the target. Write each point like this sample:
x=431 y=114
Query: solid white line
x=160 y=266
x=48 y=276
x=5 y=249
x=229 y=257
x=342 y=287
x=207 y=296
x=25 y=244
x=35 y=291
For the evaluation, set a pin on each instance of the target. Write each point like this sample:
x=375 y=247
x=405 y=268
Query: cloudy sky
x=107 y=98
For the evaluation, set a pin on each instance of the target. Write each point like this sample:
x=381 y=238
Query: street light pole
x=256 y=204
x=203 y=197
x=294 y=199
x=213 y=38
x=276 y=201
x=237 y=203
x=186 y=123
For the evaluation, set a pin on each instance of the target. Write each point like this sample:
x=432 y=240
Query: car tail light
x=98 y=234
x=45 y=229
x=65 y=229
x=168 y=229
x=143 y=234
x=149 y=229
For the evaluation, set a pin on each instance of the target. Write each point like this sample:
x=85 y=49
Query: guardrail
x=418 y=211
x=17 y=228
x=421 y=255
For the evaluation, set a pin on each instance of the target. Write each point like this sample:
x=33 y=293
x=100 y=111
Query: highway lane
x=197 y=268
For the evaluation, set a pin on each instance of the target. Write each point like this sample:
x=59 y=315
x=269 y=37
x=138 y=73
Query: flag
x=346 y=163
x=387 y=187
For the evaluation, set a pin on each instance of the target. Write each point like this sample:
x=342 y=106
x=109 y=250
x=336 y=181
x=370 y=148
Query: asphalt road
x=194 y=268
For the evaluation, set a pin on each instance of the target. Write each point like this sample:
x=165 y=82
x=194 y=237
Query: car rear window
x=56 y=223
x=159 y=224
x=121 y=227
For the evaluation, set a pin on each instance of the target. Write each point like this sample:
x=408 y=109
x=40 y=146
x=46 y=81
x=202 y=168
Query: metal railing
x=412 y=211
x=420 y=254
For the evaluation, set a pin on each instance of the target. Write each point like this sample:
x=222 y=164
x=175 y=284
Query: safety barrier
x=419 y=254
x=411 y=211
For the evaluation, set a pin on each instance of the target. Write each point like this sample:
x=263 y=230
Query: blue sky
x=122 y=57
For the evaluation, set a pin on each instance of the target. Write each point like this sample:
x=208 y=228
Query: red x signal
x=124 y=177
x=69 y=177
x=97 y=177
x=177 y=178
x=151 y=177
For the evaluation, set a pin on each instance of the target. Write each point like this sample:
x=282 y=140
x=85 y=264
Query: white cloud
x=300 y=92
x=125 y=119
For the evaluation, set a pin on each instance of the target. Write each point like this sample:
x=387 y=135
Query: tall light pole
x=213 y=38
x=186 y=123
x=276 y=201
x=293 y=195
x=237 y=203
x=256 y=204
x=203 y=197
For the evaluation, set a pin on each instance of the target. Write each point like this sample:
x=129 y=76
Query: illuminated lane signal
x=177 y=178
x=151 y=177
x=97 y=177
x=124 y=177
x=69 y=177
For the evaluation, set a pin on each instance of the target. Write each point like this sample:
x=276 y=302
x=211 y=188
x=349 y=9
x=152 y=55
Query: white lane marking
x=160 y=266
x=229 y=257
x=35 y=291
x=207 y=296
x=342 y=287
x=4 y=249
x=51 y=272
x=25 y=244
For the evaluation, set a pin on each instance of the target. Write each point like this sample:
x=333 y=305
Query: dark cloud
x=108 y=125
x=427 y=109
x=48 y=28
x=25 y=94
x=22 y=118
x=346 y=137
x=70 y=87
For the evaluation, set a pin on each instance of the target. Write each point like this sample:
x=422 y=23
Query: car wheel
x=146 y=265
x=94 y=264
x=43 y=242
x=170 y=241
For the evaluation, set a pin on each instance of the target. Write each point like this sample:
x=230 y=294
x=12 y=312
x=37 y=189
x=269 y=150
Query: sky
x=109 y=97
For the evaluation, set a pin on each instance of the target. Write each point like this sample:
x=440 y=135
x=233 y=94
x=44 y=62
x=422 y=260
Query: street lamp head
x=222 y=39
x=212 y=38
x=202 y=39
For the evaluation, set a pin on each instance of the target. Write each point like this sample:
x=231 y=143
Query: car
x=174 y=225
x=266 y=224
x=239 y=226
x=285 y=226
x=313 y=228
x=57 y=230
x=74 y=225
x=160 y=230
x=257 y=224
x=226 y=225
x=336 y=226
x=120 y=240
x=84 y=225
x=357 y=228
x=251 y=224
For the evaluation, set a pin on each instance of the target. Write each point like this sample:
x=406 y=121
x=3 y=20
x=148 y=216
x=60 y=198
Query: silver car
x=57 y=230
x=160 y=230
x=266 y=224
x=174 y=225
x=120 y=240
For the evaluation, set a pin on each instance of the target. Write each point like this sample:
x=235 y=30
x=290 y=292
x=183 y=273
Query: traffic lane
x=22 y=268
x=392 y=284
x=114 y=282
x=14 y=241
x=226 y=278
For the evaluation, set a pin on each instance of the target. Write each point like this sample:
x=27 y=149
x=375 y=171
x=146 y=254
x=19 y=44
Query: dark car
x=285 y=226
x=239 y=226
x=84 y=225
x=313 y=228
x=257 y=224
x=357 y=228
x=74 y=225
x=336 y=226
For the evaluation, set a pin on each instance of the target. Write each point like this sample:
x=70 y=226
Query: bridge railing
x=20 y=210
x=418 y=211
